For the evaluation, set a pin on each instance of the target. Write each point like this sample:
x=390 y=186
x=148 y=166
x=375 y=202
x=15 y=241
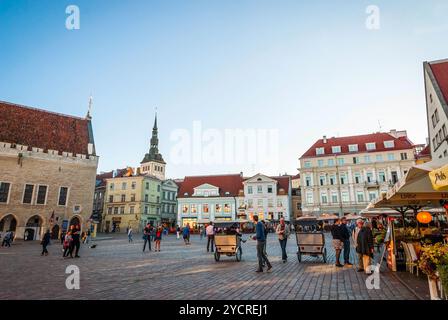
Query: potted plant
x=433 y=259
x=442 y=270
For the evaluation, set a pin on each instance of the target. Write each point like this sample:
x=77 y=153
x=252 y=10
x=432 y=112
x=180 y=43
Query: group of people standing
x=150 y=233
x=71 y=242
x=363 y=241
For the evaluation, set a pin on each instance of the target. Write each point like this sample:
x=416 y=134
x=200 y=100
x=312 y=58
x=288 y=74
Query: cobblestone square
x=116 y=269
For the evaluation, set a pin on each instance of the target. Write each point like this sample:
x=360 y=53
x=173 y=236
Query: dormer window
x=320 y=151
x=389 y=144
x=353 y=148
x=336 y=149
x=186 y=194
x=370 y=146
x=227 y=193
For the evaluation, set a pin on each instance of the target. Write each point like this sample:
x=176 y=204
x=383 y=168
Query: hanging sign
x=439 y=178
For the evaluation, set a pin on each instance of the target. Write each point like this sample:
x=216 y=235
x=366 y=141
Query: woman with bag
x=158 y=238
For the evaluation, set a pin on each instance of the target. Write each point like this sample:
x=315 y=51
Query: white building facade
x=267 y=197
x=209 y=198
x=342 y=175
x=436 y=88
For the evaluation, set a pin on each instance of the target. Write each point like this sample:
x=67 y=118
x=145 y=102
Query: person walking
x=345 y=234
x=7 y=239
x=283 y=232
x=261 y=242
x=45 y=242
x=336 y=232
x=158 y=238
x=355 y=232
x=76 y=233
x=63 y=233
x=130 y=234
x=365 y=246
x=67 y=245
x=266 y=231
x=210 y=232
x=88 y=235
x=186 y=234
x=147 y=237
x=178 y=232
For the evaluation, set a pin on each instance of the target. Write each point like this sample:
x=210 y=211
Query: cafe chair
x=410 y=263
x=414 y=257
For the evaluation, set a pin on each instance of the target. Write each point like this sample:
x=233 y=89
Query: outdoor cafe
x=414 y=215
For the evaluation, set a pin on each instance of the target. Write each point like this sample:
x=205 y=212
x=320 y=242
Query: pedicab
x=227 y=240
x=310 y=241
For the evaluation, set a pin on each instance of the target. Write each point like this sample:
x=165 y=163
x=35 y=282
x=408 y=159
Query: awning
x=328 y=217
x=439 y=178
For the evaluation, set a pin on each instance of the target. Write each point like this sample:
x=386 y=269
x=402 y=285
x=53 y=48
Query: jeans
x=261 y=255
x=283 y=247
x=147 y=240
x=210 y=240
x=347 y=251
x=76 y=245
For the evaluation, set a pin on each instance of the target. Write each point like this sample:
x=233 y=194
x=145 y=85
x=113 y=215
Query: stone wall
x=75 y=172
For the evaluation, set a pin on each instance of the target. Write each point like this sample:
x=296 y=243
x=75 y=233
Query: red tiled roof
x=400 y=143
x=43 y=129
x=425 y=152
x=440 y=71
x=231 y=183
x=283 y=182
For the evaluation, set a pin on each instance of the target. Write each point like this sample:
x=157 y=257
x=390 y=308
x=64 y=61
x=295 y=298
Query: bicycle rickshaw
x=227 y=240
x=310 y=241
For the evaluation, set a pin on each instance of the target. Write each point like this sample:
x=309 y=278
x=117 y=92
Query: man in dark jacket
x=336 y=232
x=261 y=241
x=345 y=233
x=45 y=242
x=364 y=246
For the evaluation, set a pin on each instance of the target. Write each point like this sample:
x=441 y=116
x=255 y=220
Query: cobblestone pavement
x=116 y=269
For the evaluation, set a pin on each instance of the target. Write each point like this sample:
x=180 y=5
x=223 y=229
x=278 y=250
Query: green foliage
x=432 y=257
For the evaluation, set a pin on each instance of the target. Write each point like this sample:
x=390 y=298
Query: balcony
x=372 y=184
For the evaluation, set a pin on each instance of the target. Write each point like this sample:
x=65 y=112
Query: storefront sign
x=439 y=178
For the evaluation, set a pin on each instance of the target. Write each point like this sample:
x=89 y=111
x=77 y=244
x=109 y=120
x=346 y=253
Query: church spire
x=89 y=110
x=154 y=154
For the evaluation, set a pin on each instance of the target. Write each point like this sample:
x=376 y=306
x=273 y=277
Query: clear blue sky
x=306 y=68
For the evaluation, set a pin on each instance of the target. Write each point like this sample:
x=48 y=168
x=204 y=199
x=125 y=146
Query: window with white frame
x=391 y=157
x=324 y=198
x=28 y=194
x=259 y=189
x=320 y=151
x=389 y=144
x=334 y=197
x=4 y=192
x=345 y=197
x=331 y=162
x=360 y=196
x=63 y=195
x=340 y=161
x=353 y=148
x=379 y=158
x=336 y=149
x=41 y=194
x=279 y=203
x=309 y=197
x=371 y=146
x=307 y=164
x=250 y=190
x=320 y=163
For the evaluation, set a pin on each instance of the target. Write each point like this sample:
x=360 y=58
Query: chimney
x=325 y=139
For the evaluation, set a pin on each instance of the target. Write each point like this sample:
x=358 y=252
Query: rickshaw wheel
x=238 y=254
x=299 y=256
x=217 y=256
x=324 y=255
